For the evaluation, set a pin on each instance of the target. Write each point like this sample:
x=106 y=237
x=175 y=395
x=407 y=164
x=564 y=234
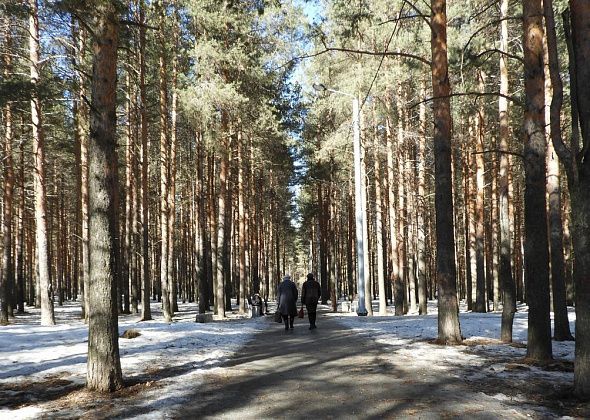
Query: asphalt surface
x=333 y=372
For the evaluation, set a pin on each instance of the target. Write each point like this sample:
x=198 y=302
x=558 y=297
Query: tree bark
x=536 y=243
x=165 y=276
x=242 y=227
x=104 y=367
x=172 y=169
x=561 y=322
x=421 y=208
x=449 y=331
x=146 y=313
x=480 y=278
x=379 y=224
x=579 y=183
x=222 y=230
x=46 y=291
x=7 y=275
x=505 y=269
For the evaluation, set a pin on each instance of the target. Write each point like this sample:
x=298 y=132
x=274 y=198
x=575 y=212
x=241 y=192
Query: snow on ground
x=42 y=369
x=483 y=358
x=180 y=351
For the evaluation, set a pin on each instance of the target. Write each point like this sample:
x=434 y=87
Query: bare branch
x=494 y=22
x=496 y=50
x=476 y=94
x=381 y=53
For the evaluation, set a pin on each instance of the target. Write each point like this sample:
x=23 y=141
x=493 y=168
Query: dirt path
x=333 y=372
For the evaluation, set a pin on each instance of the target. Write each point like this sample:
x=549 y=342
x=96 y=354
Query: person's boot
x=313 y=317
x=291 y=320
x=286 y=320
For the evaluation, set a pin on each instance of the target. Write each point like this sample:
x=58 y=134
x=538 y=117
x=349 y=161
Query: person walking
x=288 y=301
x=310 y=295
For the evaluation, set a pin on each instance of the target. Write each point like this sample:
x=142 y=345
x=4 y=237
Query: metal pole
x=361 y=311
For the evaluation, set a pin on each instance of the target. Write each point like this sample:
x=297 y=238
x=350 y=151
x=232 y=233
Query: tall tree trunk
x=368 y=287
x=129 y=199
x=104 y=367
x=536 y=243
x=505 y=270
x=553 y=114
x=222 y=230
x=146 y=282
x=323 y=230
x=172 y=169
x=242 y=226
x=7 y=275
x=422 y=207
x=449 y=330
x=391 y=176
x=21 y=238
x=47 y=315
x=165 y=276
x=400 y=298
x=78 y=41
x=204 y=233
x=379 y=224
x=480 y=278
x=578 y=171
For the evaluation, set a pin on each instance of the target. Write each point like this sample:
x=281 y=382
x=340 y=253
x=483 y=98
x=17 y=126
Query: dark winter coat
x=310 y=295
x=288 y=298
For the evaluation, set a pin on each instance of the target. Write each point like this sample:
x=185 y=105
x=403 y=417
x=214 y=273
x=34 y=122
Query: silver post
x=358 y=193
x=358 y=205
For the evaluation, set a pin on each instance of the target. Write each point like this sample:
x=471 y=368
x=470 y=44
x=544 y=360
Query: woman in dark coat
x=288 y=301
x=310 y=295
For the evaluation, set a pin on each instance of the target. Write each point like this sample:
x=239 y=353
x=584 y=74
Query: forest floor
x=350 y=367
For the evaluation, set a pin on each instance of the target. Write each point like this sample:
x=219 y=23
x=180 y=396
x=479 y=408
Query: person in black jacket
x=287 y=298
x=310 y=295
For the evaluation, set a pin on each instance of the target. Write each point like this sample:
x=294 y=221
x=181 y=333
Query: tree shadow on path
x=332 y=372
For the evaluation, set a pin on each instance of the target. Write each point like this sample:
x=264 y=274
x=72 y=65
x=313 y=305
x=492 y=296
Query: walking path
x=333 y=372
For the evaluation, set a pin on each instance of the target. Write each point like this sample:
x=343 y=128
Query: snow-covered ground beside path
x=42 y=369
x=493 y=367
x=42 y=366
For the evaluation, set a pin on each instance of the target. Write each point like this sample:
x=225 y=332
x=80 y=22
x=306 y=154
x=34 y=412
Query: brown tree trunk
x=222 y=229
x=165 y=276
x=20 y=269
x=505 y=269
x=421 y=208
x=379 y=223
x=129 y=199
x=449 y=331
x=172 y=168
x=146 y=313
x=579 y=183
x=104 y=367
x=242 y=227
x=205 y=242
x=400 y=298
x=561 y=322
x=480 y=278
x=536 y=243
x=391 y=177
x=47 y=315
x=7 y=275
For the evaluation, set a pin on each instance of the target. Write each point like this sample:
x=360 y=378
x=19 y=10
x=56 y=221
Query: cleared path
x=332 y=372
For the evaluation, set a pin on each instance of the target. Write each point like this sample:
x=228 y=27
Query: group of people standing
x=287 y=298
